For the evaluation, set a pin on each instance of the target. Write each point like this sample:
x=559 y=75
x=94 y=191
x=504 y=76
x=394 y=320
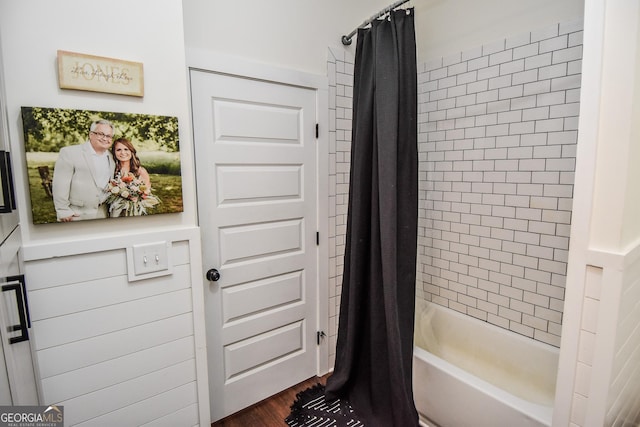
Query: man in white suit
x=81 y=174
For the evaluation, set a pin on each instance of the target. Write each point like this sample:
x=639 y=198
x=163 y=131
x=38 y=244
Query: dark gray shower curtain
x=375 y=335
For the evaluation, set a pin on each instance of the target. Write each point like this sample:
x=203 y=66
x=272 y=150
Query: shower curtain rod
x=346 y=40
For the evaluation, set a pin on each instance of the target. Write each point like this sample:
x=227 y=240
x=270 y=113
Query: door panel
x=255 y=352
x=257 y=241
x=261 y=123
x=256 y=180
x=261 y=295
x=259 y=184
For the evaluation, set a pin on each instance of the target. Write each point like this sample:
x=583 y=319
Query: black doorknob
x=213 y=275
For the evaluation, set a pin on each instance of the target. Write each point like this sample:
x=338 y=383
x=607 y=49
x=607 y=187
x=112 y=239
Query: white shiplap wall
x=607 y=382
x=115 y=352
x=623 y=405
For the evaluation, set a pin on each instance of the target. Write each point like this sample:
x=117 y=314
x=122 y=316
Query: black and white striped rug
x=310 y=409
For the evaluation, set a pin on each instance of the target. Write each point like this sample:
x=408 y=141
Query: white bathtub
x=470 y=373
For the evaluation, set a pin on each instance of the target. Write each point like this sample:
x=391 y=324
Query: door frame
x=206 y=60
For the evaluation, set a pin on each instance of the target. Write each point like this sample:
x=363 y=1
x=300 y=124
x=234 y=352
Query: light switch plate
x=148 y=260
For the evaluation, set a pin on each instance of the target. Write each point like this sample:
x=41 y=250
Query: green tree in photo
x=50 y=129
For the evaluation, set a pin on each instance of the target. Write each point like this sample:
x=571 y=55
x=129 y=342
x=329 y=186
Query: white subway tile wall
x=340 y=75
x=497 y=133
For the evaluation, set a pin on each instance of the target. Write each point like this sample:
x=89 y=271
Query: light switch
x=149 y=260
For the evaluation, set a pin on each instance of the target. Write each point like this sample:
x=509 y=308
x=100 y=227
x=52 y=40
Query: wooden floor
x=272 y=411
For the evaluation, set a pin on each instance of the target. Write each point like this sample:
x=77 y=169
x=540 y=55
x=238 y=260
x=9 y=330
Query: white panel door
x=257 y=206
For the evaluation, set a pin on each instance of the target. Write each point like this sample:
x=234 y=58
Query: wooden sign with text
x=99 y=74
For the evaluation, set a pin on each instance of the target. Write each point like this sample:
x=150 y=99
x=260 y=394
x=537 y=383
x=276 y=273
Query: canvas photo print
x=86 y=165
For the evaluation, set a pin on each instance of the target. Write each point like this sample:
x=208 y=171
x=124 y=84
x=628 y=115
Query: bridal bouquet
x=129 y=196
